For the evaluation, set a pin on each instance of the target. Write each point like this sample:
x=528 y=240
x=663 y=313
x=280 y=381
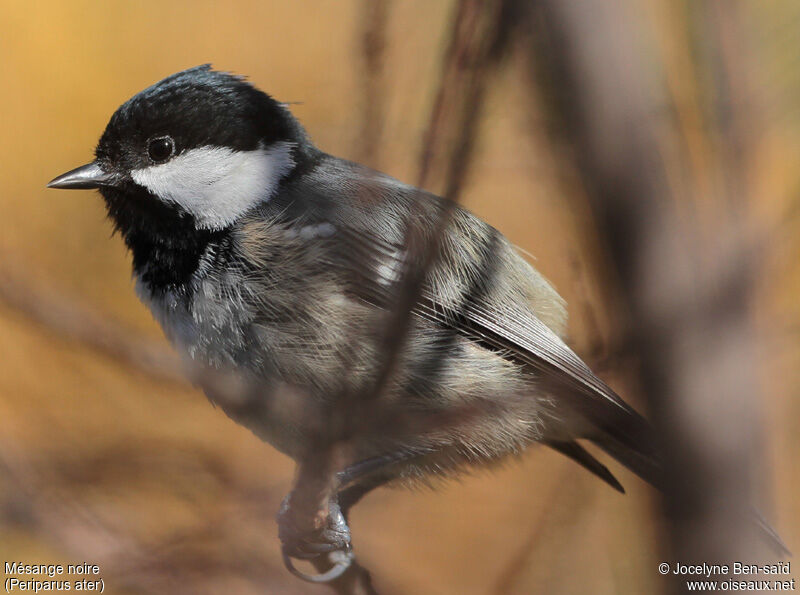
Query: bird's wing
x=466 y=293
x=478 y=288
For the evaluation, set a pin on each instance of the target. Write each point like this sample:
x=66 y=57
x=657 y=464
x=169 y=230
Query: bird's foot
x=331 y=541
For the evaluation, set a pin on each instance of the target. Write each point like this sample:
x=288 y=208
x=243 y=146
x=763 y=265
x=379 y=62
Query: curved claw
x=338 y=569
x=332 y=540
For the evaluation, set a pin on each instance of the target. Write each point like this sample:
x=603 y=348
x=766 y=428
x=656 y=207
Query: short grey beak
x=83 y=177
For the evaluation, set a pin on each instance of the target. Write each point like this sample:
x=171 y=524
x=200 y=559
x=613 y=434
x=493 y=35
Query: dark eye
x=160 y=149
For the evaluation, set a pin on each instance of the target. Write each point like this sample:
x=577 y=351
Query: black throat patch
x=165 y=243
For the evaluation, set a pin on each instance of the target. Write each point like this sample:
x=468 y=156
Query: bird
x=275 y=267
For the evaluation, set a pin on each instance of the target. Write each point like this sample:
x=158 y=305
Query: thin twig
x=374 y=17
x=477 y=39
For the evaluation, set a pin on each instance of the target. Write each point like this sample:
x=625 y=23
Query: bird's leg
x=334 y=535
x=328 y=547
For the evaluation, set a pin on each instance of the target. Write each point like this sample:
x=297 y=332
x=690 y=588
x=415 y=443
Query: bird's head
x=201 y=147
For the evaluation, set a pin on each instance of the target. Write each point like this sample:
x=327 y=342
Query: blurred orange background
x=107 y=464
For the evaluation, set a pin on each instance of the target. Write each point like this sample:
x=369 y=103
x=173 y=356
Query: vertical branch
x=482 y=30
x=374 y=19
x=721 y=36
x=688 y=295
x=478 y=37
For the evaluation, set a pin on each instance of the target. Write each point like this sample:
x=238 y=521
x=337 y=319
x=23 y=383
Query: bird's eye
x=160 y=149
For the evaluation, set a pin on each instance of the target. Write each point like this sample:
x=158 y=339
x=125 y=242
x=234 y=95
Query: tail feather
x=577 y=453
x=629 y=438
x=619 y=431
x=642 y=459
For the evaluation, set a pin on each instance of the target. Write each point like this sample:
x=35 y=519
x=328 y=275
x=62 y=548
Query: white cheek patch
x=217 y=184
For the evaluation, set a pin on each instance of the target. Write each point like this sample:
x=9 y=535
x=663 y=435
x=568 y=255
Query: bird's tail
x=630 y=439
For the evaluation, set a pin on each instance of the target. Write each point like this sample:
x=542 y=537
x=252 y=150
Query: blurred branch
x=478 y=39
x=41 y=496
x=688 y=295
x=722 y=42
x=518 y=560
x=374 y=20
x=77 y=322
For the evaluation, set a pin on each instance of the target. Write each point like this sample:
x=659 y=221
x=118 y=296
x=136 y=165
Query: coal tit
x=272 y=263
